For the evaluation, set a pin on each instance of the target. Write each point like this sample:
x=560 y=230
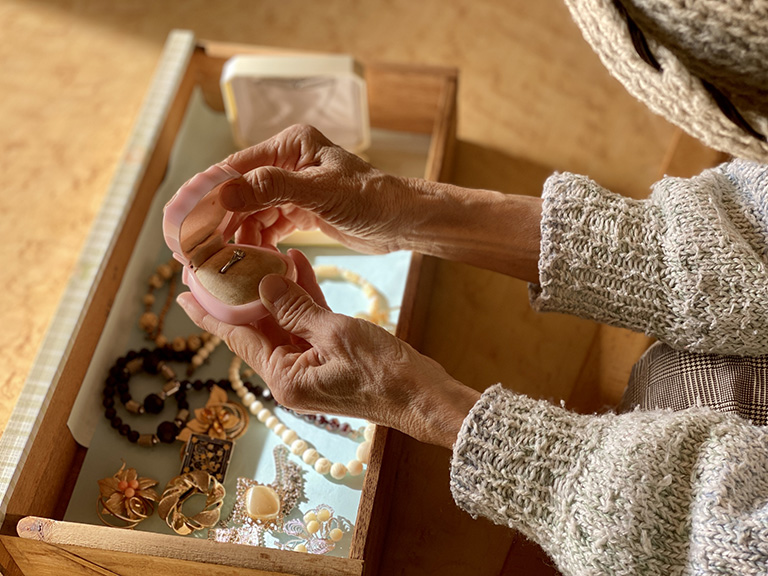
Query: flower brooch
x=126 y=497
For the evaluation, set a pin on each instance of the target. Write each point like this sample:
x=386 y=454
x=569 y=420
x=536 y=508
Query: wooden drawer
x=41 y=459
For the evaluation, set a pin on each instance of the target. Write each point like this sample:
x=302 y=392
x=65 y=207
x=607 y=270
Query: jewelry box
x=43 y=460
x=222 y=276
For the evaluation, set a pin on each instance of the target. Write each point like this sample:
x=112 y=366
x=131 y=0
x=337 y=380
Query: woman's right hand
x=316 y=361
x=300 y=180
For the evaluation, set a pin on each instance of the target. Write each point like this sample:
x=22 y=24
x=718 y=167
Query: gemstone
x=262 y=503
x=153 y=404
x=167 y=432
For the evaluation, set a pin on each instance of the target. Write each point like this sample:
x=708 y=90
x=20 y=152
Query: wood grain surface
x=75 y=73
x=532 y=98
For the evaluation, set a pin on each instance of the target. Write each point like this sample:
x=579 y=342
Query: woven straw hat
x=702 y=64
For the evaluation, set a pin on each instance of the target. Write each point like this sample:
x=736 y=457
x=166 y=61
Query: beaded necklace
x=298 y=446
x=156 y=362
x=378 y=306
x=201 y=345
x=196 y=349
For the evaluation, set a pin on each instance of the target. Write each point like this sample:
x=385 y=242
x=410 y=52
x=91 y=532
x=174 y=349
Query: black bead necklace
x=156 y=362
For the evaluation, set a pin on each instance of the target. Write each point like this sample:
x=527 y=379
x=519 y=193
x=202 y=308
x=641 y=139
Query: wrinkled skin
x=312 y=359
x=300 y=180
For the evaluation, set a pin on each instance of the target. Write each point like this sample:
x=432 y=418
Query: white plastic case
x=265 y=94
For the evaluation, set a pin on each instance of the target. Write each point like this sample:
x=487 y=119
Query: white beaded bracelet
x=298 y=446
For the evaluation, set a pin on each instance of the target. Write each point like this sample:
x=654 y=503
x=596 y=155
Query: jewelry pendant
x=260 y=507
x=237 y=255
x=206 y=454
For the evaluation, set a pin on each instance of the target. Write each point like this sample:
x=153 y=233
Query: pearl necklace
x=378 y=307
x=297 y=446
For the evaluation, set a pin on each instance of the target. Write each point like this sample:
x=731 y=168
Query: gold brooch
x=127 y=497
x=183 y=487
x=217 y=419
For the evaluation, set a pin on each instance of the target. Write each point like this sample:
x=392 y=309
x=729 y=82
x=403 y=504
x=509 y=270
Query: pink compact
x=223 y=277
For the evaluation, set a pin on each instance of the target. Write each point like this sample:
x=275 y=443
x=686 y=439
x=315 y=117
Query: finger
x=286 y=149
x=244 y=341
x=263 y=188
x=272 y=330
x=250 y=232
x=233 y=191
x=277 y=232
x=293 y=308
x=270 y=186
x=267 y=165
x=265 y=153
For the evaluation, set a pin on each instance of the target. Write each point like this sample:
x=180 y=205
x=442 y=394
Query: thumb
x=258 y=189
x=292 y=307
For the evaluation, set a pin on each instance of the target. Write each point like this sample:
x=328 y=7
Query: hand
x=299 y=179
x=316 y=361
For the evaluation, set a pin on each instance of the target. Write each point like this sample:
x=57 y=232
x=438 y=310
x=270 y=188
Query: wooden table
x=532 y=97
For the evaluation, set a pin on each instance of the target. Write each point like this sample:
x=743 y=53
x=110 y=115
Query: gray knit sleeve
x=689 y=265
x=639 y=493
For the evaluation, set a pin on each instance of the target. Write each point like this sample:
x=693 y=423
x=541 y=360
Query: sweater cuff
x=600 y=255
x=507 y=457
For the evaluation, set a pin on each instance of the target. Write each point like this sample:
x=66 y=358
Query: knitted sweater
x=657 y=492
x=689 y=265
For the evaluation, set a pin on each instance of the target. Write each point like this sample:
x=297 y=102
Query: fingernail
x=272 y=287
x=233 y=194
x=181 y=300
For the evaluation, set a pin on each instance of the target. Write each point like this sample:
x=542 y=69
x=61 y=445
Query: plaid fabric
x=668 y=378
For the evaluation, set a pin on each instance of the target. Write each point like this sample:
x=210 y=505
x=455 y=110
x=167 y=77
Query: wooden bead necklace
x=201 y=345
x=298 y=446
x=150 y=322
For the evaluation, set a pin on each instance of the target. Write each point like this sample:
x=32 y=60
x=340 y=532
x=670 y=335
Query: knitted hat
x=702 y=64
